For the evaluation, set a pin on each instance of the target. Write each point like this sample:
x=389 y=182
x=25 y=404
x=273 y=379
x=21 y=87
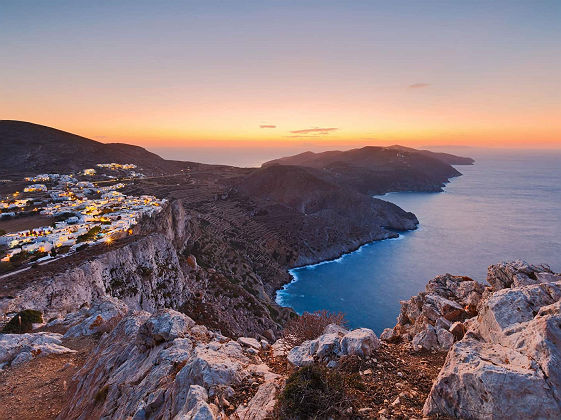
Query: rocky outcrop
x=509 y=362
x=517 y=274
x=433 y=319
x=164 y=366
x=20 y=348
x=102 y=316
x=334 y=343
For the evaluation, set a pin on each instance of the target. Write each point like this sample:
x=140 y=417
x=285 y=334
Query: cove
x=506 y=206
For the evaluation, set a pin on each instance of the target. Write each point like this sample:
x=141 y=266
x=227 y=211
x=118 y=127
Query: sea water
x=506 y=206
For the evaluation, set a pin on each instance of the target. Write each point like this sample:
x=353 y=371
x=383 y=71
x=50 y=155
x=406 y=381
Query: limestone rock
x=508 y=363
x=20 y=348
x=145 y=274
x=280 y=348
x=155 y=366
x=389 y=335
x=426 y=339
x=303 y=355
x=360 y=342
x=196 y=406
x=165 y=325
x=262 y=405
x=445 y=339
x=102 y=316
x=328 y=344
x=483 y=380
x=518 y=273
x=447 y=299
x=250 y=342
x=335 y=329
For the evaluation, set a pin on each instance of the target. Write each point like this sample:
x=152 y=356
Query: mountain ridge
x=32 y=148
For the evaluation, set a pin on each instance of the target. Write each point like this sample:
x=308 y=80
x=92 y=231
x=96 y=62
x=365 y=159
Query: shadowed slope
x=28 y=149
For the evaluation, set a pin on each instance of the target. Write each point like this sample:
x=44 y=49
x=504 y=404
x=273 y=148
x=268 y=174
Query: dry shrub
x=309 y=326
x=316 y=392
x=23 y=322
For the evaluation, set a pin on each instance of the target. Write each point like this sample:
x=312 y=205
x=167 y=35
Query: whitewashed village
x=79 y=210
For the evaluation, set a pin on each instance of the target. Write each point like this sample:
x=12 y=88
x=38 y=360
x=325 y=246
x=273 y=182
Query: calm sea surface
x=506 y=206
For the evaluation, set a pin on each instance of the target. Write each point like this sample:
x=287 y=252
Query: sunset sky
x=286 y=73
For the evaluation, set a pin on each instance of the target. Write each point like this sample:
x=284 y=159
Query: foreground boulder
x=509 y=362
x=426 y=320
x=334 y=343
x=16 y=349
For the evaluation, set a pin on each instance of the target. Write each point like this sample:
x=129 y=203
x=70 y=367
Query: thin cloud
x=315 y=131
x=419 y=85
x=301 y=136
x=267 y=126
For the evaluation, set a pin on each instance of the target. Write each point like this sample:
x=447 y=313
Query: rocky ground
x=109 y=360
x=36 y=389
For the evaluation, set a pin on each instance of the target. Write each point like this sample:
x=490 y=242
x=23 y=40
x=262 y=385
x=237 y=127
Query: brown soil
x=395 y=372
x=36 y=390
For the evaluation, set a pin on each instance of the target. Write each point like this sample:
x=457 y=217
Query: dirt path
x=36 y=390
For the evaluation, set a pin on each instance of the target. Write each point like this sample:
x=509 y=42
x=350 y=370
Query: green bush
x=101 y=395
x=22 y=322
x=90 y=235
x=314 y=392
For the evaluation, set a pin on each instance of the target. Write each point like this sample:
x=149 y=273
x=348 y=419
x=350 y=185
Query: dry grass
x=309 y=326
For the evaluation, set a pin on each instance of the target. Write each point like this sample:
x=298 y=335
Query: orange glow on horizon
x=275 y=74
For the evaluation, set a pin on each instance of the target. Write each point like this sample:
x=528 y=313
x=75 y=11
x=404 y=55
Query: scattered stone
x=360 y=342
x=192 y=262
x=16 y=349
x=250 y=342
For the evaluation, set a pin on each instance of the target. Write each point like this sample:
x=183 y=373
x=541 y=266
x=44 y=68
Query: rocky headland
x=178 y=320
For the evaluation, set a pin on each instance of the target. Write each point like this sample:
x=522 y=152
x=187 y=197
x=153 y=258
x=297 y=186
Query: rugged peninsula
x=243 y=227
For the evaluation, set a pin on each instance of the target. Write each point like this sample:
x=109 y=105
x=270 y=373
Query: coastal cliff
x=148 y=271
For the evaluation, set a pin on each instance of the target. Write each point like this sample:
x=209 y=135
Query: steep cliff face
x=153 y=270
x=146 y=274
x=314 y=216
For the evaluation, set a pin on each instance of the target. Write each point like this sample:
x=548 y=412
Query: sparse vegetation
x=90 y=235
x=23 y=322
x=316 y=392
x=101 y=395
x=309 y=326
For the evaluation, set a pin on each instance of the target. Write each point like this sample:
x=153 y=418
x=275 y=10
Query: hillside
x=445 y=157
x=376 y=170
x=29 y=149
x=315 y=215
